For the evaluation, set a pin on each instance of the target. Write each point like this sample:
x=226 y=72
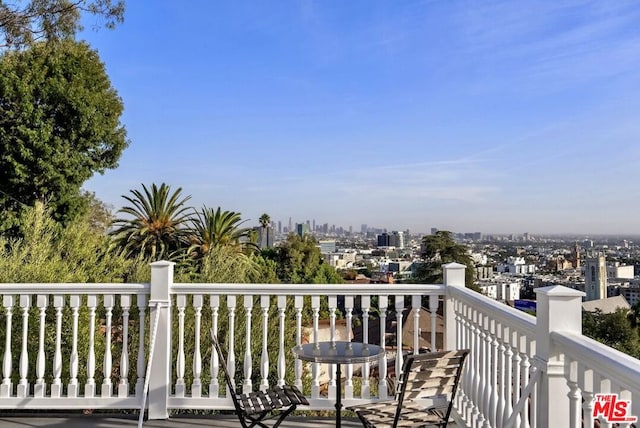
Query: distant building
x=265 y=237
x=394 y=239
x=500 y=289
x=616 y=270
x=302 y=229
x=327 y=246
x=484 y=272
x=631 y=293
x=595 y=278
x=606 y=305
x=517 y=266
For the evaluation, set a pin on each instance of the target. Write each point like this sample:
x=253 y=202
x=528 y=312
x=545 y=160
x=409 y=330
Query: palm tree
x=210 y=229
x=155 y=228
x=265 y=223
x=265 y=220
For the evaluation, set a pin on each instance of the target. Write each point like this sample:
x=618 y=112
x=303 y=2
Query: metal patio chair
x=424 y=376
x=253 y=408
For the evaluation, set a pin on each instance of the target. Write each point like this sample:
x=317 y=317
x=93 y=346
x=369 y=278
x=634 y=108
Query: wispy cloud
x=557 y=44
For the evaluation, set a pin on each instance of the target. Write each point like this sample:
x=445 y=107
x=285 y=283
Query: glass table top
x=338 y=352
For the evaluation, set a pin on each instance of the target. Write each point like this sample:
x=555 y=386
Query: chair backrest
x=225 y=370
x=429 y=375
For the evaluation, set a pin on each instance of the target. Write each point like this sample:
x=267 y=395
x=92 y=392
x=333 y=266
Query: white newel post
x=453 y=277
x=160 y=379
x=558 y=309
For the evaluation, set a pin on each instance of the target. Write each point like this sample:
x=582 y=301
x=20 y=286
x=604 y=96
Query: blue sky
x=492 y=116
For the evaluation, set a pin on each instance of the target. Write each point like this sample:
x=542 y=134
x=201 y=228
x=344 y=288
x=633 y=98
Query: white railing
x=84 y=346
x=532 y=372
x=48 y=337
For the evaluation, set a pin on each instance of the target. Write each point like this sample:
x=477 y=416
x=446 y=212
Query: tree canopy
x=439 y=249
x=299 y=261
x=613 y=329
x=25 y=22
x=59 y=124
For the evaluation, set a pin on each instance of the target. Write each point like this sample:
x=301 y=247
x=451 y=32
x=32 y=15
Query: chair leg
x=255 y=421
x=283 y=415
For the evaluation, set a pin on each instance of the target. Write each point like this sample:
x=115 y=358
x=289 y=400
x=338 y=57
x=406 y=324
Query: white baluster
x=299 y=304
x=107 y=387
x=90 y=386
x=475 y=356
x=231 y=357
x=196 y=385
x=282 y=306
x=315 y=372
x=493 y=402
x=348 y=306
x=605 y=387
x=478 y=363
x=508 y=372
x=516 y=373
x=8 y=301
x=72 y=388
x=365 y=303
x=333 y=303
x=247 y=385
x=482 y=361
x=533 y=403
x=627 y=395
x=399 y=358
x=265 y=302
x=500 y=402
x=383 y=392
x=468 y=334
x=461 y=400
x=433 y=309
x=23 y=385
x=524 y=376
x=416 y=305
x=123 y=386
x=40 y=387
x=214 y=385
x=575 y=396
x=56 y=386
x=141 y=303
x=585 y=379
x=488 y=386
x=181 y=303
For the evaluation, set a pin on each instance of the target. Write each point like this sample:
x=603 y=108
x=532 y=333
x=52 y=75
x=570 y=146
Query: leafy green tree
x=439 y=249
x=298 y=261
x=156 y=224
x=22 y=23
x=211 y=229
x=614 y=330
x=50 y=252
x=634 y=315
x=59 y=124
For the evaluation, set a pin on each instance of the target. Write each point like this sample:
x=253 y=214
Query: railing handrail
x=618 y=366
x=74 y=288
x=521 y=321
x=309 y=289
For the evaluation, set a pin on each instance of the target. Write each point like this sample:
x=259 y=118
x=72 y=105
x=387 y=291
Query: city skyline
x=493 y=116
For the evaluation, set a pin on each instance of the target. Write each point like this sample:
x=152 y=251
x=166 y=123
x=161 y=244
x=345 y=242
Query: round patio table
x=338 y=353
